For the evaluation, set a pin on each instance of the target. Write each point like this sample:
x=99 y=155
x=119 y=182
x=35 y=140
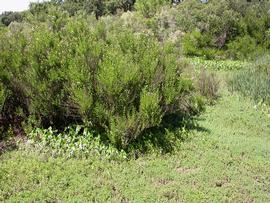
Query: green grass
x=225 y=160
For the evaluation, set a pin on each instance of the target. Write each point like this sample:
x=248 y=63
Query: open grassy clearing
x=225 y=160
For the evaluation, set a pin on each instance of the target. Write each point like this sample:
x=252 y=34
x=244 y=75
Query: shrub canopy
x=77 y=70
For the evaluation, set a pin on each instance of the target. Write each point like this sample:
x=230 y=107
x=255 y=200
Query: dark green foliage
x=254 y=81
x=8 y=17
x=96 y=7
x=223 y=28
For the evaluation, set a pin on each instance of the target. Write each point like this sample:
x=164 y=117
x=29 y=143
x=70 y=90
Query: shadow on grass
x=7 y=145
x=164 y=139
x=174 y=130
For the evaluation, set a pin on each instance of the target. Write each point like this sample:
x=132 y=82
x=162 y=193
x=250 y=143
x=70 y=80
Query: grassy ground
x=227 y=160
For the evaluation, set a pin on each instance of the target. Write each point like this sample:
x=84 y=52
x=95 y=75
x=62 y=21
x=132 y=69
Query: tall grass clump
x=208 y=85
x=254 y=81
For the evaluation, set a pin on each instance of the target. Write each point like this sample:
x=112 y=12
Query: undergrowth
x=80 y=142
x=76 y=142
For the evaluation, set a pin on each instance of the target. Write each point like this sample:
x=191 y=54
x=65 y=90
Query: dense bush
x=112 y=80
x=218 y=29
x=96 y=7
x=254 y=81
x=243 y=47
x=197 y=44
x=8 y=17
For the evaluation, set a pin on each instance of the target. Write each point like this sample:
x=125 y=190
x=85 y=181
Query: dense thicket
x=70 y=62
x=219 y=29
x=96 y=7
x=235 y=29
x=8 y=17
x=77 y=70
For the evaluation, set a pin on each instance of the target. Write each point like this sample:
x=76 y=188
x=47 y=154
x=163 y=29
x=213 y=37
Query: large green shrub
x=71 y=70
x=132 y=88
